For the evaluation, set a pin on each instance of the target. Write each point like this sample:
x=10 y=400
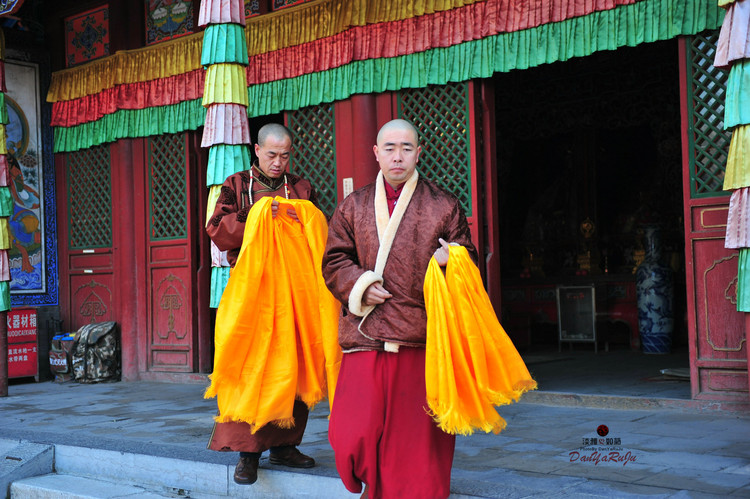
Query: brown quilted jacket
x=352 y=249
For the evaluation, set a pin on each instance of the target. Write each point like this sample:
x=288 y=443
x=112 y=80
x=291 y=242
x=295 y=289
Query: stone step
x=278 y=485
x=97 y=473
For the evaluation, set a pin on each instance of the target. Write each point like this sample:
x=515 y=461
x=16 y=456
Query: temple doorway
x=589 y=155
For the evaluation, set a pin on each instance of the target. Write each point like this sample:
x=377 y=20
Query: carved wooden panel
x=721 y=328
x=91 y=299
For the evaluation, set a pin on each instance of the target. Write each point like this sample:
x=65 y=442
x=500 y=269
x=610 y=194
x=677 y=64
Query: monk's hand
x=292 y=214
x=274 y=208
x=441 y=254
x=375 y=294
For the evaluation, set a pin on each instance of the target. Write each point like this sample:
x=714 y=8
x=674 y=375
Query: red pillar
x=356 y=130
x=128 y=274
x=491 y=207
x=3 y=354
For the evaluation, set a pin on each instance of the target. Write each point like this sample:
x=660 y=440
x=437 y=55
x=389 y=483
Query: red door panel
x=717 y=331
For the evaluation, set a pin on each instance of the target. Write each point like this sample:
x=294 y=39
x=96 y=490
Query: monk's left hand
x=291 y=212
x=441 y=254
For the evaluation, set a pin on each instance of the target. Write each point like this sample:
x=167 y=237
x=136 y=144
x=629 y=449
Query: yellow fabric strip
x=471 y=363
x=312 y=21
x=213 y=196
x=737 y=174
x=4 y=234
x=277 y=324
x=225 y=84
x=162 y=60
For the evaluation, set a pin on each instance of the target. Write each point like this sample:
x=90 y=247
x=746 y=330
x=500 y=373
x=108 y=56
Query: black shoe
x=292 y=457
x=246 y=471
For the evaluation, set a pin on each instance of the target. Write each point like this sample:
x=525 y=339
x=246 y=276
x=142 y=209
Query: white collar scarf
x=388 y=224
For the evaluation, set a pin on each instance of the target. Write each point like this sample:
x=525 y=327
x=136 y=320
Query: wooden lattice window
x=709 y=142
x=314 y=155
x=89 y=198
x=167 y=187
x=441 y=114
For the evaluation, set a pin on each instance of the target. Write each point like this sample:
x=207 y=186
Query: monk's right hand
x=274 y=208
x=375 y=294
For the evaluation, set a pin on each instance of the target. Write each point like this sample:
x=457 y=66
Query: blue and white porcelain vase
x=655 y=293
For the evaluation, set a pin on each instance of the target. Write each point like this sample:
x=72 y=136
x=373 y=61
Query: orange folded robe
x=471 y=364
x=277 y=323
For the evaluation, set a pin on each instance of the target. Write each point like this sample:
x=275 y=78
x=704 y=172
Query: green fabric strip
x=224 y=43
x=737 y=105
x=219 y=279
x=6 y=202
x=188 y=115
x=4 y=296
x=226 y=159
x=628 y=25
x=3 y=110
x=743 y=281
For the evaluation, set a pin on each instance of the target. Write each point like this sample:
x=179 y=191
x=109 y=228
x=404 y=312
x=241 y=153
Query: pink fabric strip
x=734 y=38
x=221 y=11
x=3 y=171
x=226 y=124
x=4 y=266
x=738 y=220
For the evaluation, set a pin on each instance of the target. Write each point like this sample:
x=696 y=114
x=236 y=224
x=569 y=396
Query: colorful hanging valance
x=316 y=20
x=644 y=21
x=166 y=59
x=412 y=35
x=188 y=115
x=221 y=44
x=140 y=95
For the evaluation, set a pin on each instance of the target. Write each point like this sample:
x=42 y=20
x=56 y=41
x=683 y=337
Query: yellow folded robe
x=277 y=323
x=471 y=364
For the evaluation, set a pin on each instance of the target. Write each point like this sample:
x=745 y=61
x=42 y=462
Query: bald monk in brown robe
x=268 y=177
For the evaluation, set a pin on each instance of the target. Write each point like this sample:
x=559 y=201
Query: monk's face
x=273 y=155
x=397 y=153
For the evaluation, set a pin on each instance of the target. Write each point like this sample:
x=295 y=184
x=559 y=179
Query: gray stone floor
x=547 y=450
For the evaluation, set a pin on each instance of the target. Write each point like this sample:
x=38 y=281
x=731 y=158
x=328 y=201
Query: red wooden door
x=171 y=253
x=717 y=332
x=87 y=264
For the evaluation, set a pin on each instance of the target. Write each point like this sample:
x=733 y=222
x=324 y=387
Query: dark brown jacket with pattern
x=352 y=249
x=226 y=227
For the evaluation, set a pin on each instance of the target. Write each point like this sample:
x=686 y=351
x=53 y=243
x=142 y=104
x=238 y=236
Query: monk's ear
x=375 y=150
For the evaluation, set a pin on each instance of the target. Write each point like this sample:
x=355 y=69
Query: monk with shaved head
x=380 y=241
x=226 y=228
